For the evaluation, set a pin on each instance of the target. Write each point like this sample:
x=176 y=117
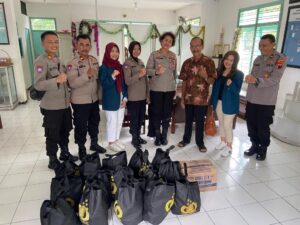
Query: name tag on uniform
x=53 y=68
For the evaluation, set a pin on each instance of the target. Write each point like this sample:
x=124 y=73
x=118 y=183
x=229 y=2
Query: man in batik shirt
x=197 y=74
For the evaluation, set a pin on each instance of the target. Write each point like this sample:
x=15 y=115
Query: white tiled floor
x=249 y=192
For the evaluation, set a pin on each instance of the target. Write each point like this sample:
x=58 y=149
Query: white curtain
x=105 y=38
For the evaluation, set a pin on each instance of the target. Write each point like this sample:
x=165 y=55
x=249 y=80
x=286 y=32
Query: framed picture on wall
x=294 y=1
x=291 y=41
x=4 y=40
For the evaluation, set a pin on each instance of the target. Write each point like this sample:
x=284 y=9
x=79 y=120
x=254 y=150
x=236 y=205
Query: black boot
x=142 y=141
x=135 y=142
x=261 y=154
x=66 y=155
x=157 y=141
x=252 y=150
x=95 y=147
x=164 y=135
x=53 y=162
x=82 y=152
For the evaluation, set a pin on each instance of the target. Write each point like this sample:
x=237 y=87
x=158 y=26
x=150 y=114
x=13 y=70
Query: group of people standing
x=82 y=84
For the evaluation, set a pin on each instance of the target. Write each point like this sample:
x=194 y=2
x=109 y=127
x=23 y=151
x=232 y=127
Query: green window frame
x=42 y=24
x=255 y=22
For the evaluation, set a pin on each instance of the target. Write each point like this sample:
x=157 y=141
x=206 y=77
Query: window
x=254 y=23
x=42 y=24
x=194 y=22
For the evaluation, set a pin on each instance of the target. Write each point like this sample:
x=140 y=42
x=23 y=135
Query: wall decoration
x=85 y=28
x=291 y=41
x=294 y=1
x=3 y=26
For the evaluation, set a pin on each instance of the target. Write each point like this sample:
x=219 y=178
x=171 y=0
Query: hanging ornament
x=85 y=28
x=96 y=37
x=73 y=33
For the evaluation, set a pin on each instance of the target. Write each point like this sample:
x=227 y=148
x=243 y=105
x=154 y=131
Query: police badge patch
x=280 y=63
x=39 y=69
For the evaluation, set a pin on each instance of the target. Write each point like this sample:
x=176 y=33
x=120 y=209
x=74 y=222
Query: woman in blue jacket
x=114 y=95
x=226 y=98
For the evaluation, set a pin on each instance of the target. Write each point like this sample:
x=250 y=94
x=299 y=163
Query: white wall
x=64 y=13
x=22 y=23
x=228 y=16
x=13 y=48
x=214 y=14
x=208 y=11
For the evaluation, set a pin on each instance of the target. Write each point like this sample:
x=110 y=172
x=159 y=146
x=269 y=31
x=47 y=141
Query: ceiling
x=140 y=4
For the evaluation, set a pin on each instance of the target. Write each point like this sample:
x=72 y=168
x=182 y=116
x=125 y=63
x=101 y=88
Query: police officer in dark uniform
x=49 y=76
x=83 y=79
x=263 y=86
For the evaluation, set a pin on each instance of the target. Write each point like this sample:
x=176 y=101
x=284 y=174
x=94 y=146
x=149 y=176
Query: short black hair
x=271 y=37
x=132 y=45
x=49 y=32
x=170 y=34
x=197 y=38
x=83 y=36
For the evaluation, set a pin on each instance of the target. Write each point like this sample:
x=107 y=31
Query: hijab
x=114 y=64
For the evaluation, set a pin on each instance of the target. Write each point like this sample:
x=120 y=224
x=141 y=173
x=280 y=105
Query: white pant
x=114 y=121
x=225 y=123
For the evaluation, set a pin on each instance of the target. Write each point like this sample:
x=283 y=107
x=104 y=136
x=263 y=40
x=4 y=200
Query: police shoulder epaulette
x=92 y=57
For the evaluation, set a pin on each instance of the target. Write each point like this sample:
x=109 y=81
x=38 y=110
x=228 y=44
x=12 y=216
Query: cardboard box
x=202 y=171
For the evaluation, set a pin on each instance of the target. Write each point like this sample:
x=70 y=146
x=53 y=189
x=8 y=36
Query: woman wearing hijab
x=137 y=82
x=114 y=95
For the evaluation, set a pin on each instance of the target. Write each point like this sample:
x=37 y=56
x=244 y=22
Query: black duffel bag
x=128 y=205
x=95 y=202
x=140 y=164
x=67 y=187
x=35 y=94
x=158 y=201
x=58 y=213
x=114 y=160
x=161 y=155
x=187 y=196
x=170 y=170
x=90 y=165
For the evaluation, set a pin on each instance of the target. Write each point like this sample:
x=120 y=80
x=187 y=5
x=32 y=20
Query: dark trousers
x=86 y=119
x=259 y=118
x=151 y=131
x=136 y=110
x=197 y=112
x=57 y=124
x=161 y=108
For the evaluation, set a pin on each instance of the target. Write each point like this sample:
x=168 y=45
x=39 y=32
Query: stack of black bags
x=137 y=191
